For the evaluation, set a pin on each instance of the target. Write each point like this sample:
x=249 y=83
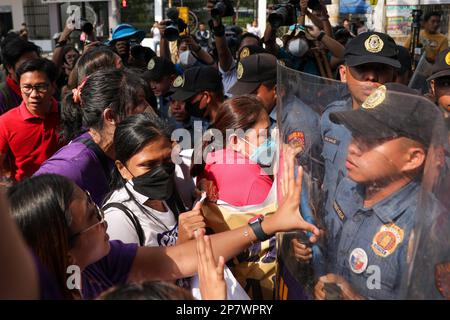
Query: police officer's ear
x=343 y=73
x=208 y=95
x=416 y=156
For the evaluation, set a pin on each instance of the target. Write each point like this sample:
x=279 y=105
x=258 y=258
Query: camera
x=222 y=8
x=284 y=14
x=175 y=26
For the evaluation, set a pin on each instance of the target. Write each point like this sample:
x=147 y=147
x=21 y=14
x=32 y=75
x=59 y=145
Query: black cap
x=252 y=71
x=159 y=67
x=195 y=80
x=441 y=66
x=404 y=57
x=371 y=47
x=392 y=110
x=249 y=50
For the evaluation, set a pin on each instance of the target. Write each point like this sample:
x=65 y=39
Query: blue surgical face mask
x=264 y=153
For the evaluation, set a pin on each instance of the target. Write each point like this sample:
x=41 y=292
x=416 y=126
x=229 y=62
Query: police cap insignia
x=240 y=70
x=151 y=64
x=178 y=82
x=447 y=58
x=374 y=44
x=375 y=98
x=244 y=53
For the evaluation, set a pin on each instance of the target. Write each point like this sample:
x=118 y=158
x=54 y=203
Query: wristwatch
x=255 y=224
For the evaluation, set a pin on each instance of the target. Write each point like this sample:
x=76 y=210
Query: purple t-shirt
x=110 y=271
x=80 y=164
x=47 y=284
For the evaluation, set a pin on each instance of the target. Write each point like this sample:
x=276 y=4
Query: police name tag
x=358 y=260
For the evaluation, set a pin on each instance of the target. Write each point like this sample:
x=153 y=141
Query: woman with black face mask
x=145 y=207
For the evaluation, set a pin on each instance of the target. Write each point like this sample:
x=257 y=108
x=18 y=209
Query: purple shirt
x=47 y=284
x=110 y=271
x=80 y=164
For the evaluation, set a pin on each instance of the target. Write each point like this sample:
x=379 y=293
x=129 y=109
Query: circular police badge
x=375 y=98
x=240 y=70
x=178 y=82
x=447 y=59
x=151 y=64
x=244 y=53
x=358 y=260
x=374 y=44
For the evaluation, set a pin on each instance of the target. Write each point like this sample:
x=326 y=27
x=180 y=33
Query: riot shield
x=419 y=78
x=376 y=204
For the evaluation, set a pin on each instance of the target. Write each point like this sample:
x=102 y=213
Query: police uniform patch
x=358 y=260
x=240 y=70
x=151 y=64
x=387 y=239
x=374 y=44
x=244 y=53
x=442 y=278
x=330 y=140
x=297 y=139
x=178 y=82
x=447 y=58
x=375 y=99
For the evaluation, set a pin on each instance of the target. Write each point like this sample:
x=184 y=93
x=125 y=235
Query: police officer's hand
x=211 y=274
x=190 y=221
x=347 y=292
x=301 y=251
x=287 y=216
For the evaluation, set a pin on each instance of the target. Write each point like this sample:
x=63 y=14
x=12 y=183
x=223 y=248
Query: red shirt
x=239 y=181
x=28 y=140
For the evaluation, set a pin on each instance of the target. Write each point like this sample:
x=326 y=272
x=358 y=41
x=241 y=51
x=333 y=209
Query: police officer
x=440 y=81
x=202 y=91
x=161 y=73
x=373 y=213
x=370 y=61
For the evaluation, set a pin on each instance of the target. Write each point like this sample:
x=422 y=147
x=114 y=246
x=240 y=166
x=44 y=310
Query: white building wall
x=17 y=12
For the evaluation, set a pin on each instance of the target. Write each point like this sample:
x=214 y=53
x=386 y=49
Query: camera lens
x=218 y=10
x=171 y=33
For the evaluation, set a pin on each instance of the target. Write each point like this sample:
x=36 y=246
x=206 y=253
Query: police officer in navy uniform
x=373 y=214
x=370 y=61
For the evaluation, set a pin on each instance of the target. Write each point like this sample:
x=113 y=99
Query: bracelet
x=320 y=36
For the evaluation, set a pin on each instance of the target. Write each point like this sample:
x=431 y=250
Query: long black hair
x=111 y=88
x=40 y=207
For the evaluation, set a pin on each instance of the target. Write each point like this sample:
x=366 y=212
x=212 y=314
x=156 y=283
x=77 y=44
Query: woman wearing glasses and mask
x=67 y=231
x=29 y=132
x=145 y=207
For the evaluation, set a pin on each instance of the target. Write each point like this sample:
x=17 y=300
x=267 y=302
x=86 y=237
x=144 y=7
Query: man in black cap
x=440 y=81
x=370 y=61
x=161 y=72
x=202 y=91
x=404 y=74
x=373 y=213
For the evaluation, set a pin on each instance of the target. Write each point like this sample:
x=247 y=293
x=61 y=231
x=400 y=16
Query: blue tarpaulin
x=353 y=6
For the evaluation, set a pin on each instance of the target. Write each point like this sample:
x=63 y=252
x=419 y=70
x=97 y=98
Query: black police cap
x=252 y=71
x=371 y=47
x=159 y=67
x=195 y=80
x=441 y=66
x=392 y=110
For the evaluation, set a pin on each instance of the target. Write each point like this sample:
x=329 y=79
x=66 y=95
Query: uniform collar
x=390 y=208
x=26 y=114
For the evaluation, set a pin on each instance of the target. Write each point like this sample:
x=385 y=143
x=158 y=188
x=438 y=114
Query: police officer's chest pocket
x=385 y=270
x=330 y=148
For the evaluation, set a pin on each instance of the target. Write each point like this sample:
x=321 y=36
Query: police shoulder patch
x=178 y=82
x=374 y=44
x=151 y=64
x=447 y=58
x=240 y=70
x=375 y=99
x=442 y=278
x=297 y=139
x=244 y=53
x=387 y=239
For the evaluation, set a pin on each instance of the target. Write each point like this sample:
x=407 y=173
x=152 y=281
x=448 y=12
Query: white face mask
x=298 y=47
x=186 y=59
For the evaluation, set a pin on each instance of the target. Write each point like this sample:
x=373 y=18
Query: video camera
x=285 y=14
x=175 y=26
x=222 y=8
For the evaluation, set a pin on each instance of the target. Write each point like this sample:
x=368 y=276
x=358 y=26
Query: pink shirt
x=239 y=181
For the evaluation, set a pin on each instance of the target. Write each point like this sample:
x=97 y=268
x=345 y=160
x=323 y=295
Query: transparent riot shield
x=370 y=203
x=419 y=78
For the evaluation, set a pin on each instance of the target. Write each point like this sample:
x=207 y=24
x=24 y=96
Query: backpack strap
x=134 y=219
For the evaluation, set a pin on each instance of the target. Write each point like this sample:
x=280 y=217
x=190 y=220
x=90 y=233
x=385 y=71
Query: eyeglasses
x=100 y=217
x=28 y=89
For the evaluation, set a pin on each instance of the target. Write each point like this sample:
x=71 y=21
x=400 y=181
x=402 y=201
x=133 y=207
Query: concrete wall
x=17 y=12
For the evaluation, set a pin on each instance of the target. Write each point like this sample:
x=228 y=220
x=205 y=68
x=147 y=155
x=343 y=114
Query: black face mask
x=157 y=184
x=194 y=109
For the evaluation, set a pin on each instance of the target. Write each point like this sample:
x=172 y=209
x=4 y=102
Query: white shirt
x=229 y=78
x=255 y=30
x=156 y=34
